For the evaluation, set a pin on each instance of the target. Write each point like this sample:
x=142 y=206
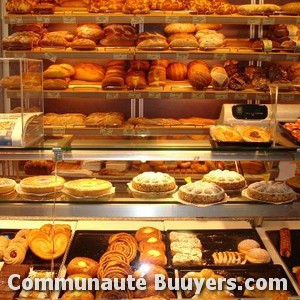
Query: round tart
x=201 y=192
x=255 y=134
x=87 y=187
x=7 y=185
x=42 y=184
x=294 y=183
x=225 y=133
x=153 y=182
x=271 y=191
x=228 y=180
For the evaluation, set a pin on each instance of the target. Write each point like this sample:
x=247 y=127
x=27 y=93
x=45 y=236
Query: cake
x=201 y=192
x=87 y=187
x=42 y=184
x=153 y=182
x=7 y=185
x=294 y=183
x=228 y=180
x=271 y=191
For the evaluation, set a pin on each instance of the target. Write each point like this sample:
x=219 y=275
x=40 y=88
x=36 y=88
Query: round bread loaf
x=258 y=256
x=199 y=75
x=177 y=71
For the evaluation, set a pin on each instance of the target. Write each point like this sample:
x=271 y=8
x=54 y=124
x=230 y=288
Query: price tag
x=253 y=21
x=106 y=131
x=143 y=131
x=120 y=56
x=153 y=56
x=102 y=19
x=221 y=96
x=297 y=48
x=220 y=56
x=297 y=20
x=69 y=19
x=182 y=56
x=199 y=19
x=154 y=95
x=171 y=19
x=290 y=57
x=134 y=95
x=176 y=96
x=198 y=95
x=112 y=95
x=264 y=57
x=59 y=131
x=240 y=96
x=3 y=132
x=287 y=97
x=50 y=56
x=16 y=20
x=268 y=21
x=42 y=19
x=128 y=131
x=19 y=54
x=262 y=97
x=52 y=95
x=137 y=20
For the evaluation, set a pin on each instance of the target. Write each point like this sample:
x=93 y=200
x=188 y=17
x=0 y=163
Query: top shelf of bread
x=154 y=17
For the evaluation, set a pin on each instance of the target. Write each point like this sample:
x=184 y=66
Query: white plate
x=245 y=194
x=176 y=197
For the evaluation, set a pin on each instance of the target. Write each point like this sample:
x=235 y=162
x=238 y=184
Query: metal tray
x=288 y=134
x=254 y=271
x=217 y=241
x=294 y=260
x=216 y=144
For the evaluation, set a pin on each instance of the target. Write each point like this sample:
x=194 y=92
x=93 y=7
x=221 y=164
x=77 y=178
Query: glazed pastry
x=7 y=185
x=42 y=184
x=23 y=233
x=146 y=233
x=152 y=243
x=14 y=254
x=153 y=256
x=82 y=265
x=258 y=256
x=224 y=133
x=254 y=134
x=114 y=269
x=245 y=245
x=149 y=273
x=87 y=187
x=229 y=258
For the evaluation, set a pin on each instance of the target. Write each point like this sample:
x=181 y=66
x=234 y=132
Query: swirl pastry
x=113 y=295
x=127 y=248
x=14 y=254
x=229 y=258
x=4 y=241
x=112 y=255
x=114 y=269
x=21 y=241
x=23 y=233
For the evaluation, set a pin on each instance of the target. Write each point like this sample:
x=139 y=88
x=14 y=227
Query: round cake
x=153 y=182
x=271 y=191
x=42 y=184
x=201 y=192
x=88 y=187
x=228 y=180
x=7 y=185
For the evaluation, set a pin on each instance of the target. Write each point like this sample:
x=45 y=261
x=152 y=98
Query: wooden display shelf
x=155 y=17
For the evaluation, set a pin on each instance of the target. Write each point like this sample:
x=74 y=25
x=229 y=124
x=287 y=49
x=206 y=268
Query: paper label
x=154 y=95
x=198 y=95
x=240 y=96
x=16 y=20
x=188 y=179
x=266 y=176
x=102 y=19
x=291 y=57
x=59 y=131
x=129 y=131
x=134 y=95
x=253 y=21
x=52 y=95
x=19 y=54
x=287 y=97
x=137 y=20
x=153 y=56
x=220 y=56
x=264 y=57
x=182 y=56
x=199 y=19
x=262 y=97
x=297 y=47
x=176 y=96
x=143 y=131
x=120 y=56
x=50 y=56
x=268 y=21
x=221 y=96
x=69 y=19
x=112 y=95
x=171 y=19
x=42 y=19
x=106 y=131
x=268 y=46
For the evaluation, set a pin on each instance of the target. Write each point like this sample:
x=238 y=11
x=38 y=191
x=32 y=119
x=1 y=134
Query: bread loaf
x=177 y=71
x=82 y=44
x=59 y=71
x=89 y=72
x=180 y=28
x=136 y=80
x=157 y=76
x=56 y=84
x=198 y=74
x=90 y=31
x=219 y=77
x=257 y=9
x=292 y=8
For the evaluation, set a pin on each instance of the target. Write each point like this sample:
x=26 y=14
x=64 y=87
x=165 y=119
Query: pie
x=254 y=134
x=294 y=183
x=224 y=133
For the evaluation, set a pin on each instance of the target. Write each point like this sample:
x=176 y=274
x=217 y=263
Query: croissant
x=229 y=258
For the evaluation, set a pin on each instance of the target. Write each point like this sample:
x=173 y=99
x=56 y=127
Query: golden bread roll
x=90 y=31
x=177 y=71
x=145 y=233
x=59 y=71
x=292 y=8
x=89 y=72
x=208 y=26
x=153 y=256
x=56 y=84
x=83 y=265
x=180 y=28
x=82 y=44
x=258 y=256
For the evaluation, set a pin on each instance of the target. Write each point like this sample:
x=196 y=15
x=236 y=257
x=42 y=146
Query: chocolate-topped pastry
x=251 y=72
x=260 y=83
x=277 y=31
x=276 y=72
x=237 y=82
x=231 y=67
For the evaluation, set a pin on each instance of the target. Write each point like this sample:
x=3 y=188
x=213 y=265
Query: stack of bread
x=152 y=41
x=209 y=37
x=106 y=6
x=136 y=75
x=115 y=75
x=157 y=74
x=57 y=76
x=181 y=36
x=199 y=74
x=136 y=7
x=118 y=35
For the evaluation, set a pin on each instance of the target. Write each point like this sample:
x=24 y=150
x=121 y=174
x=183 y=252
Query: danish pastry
x=83 y=265
x=146 y=233
x=224 y=133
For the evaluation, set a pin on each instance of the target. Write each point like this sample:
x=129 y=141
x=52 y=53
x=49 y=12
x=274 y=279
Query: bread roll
x=56 y=84
x=180 y=28
x=90 y=31
x=82 y=44
x=219 y=77
x=177 y=71
x=199 y=75
x=89 y=72
x=157 y=76
x=154 y=43
x=59 y=71
x=208 y=26
x=257 y=9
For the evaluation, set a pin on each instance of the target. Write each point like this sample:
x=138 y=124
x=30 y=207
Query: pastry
x=89 y=72
x=185 y=259
x=20 y=6
x=59 y=71
x=152 y=243
x=185 y=245
x=153 y=122
x=245 y=245
x=254 y=134
x=258 y=9
x=110 y=119
x=199 y=75
x=11 y=82
x=42 y=184
x=157 y=76
x=64 y=119
x=228 y=180
x=56 y=39
x=220 y=79
x=201 y=192
x=177 y=71
x=152 y=43
x=200 y=6
x=237 y=82
x=106 y=6
x=258 y=256
x=292 y=8
x=35 y=27
x=77 y=295
x=113 y=294
x=211 y=41
x=153 y=182
x=271 y=191
x=294 y=183
x=44 y=9
x=39 y=167
x=136 y=7
x=229 y=258
x=114 y=269
x=146 y=233
x=180 y=28
x=90 y=31
x=149 y=273
x=56 y=84
x=14 y=254
x=208 y=26
x=224 y=133
x=87 y=187
x=175 y=236
x=285 y=242
x=231 y=67
x=73 y=3
x=25 y=40
x=136 y=80
x=188 y=251
x=82 y=44
x=7 y=185
x=226 y=9
x=153 y=256
x=83 y=265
